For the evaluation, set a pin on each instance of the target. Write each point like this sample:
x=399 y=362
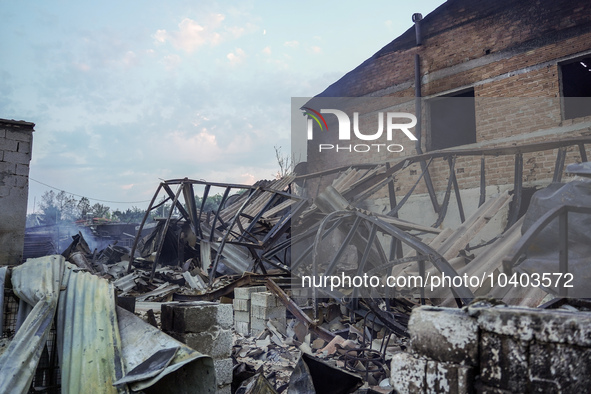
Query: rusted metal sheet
x=36 y=282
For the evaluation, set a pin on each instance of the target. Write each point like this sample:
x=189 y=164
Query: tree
x=130 y=215
x=211 y=204
x=50 y=213
x=100 y=211
x=83 y=208
x=286 y=163
x=66 y=205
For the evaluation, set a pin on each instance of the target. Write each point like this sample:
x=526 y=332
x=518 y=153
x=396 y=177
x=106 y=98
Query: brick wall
x=15 y=153
x=509 y=53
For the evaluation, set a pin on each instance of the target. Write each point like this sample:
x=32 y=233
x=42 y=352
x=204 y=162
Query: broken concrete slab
x=444 y=334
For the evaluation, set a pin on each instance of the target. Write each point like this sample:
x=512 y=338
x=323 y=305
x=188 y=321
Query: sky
x=125 y=94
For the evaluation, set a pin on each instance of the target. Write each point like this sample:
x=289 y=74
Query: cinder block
x=24 y=147
x=261 y=312
x=7 y=167
x=196 y=316
x=21 y=181
x=265 y=299
x=19 y=135
x=559 y=368
x=8 y=145
x=223 y=371
x=217 y=344
x=503 y=362
x=444 y=334
x=407 y=373
x=22 y=169
x=255 y=331
x=17 y=157
x=241 y=316
x=242 y=327
x=448 y=378
x=550 y=326
x=258 y=324
x=245 y=293
x=241 y=305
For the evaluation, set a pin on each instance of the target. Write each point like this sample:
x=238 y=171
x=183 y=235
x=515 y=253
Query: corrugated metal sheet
x=88 y=335
x=37 y=282
x=38 y=245
x=141 y=340
x=96 y=343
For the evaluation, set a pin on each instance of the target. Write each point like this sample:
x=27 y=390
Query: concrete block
x=258 y=324
x=261 y=324
x=551 y=326
x=19 y=135
x=241 y=305
x=8 y=180
x=24 y=147
x=407 y=373
x=217 y=344
x=265 y=299
x=8 y=145
x=444 y=334
x=244 y=293
x=241 y=316
x=448 y=378
x=7 y=167
x=5 y=191
x=21 y=181
x=255 y=331
x=260 y=312
x=242 y=328
x=223 y=371
x=22 y=169
x=559 y=368
x=503 y=362
x=17 y=157
x=196 y=316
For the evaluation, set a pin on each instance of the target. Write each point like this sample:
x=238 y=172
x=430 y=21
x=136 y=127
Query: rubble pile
x=229 y=283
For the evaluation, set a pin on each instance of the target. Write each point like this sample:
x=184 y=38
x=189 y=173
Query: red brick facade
x=510 y=53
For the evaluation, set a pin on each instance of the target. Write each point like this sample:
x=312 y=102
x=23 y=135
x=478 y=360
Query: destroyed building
x=480 y=77
x=226 y=284
x=16 y=139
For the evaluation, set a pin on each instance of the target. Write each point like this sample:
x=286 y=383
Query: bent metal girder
x=231 y=232
x=362 y=229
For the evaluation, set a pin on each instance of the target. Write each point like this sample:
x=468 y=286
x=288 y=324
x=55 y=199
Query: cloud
x=236 y=31
x=315 y=49
x=171 y=61
x=292 y=44
x=266 y=50
x=197 y=148
x=192 y=35
x=160 y=36
x=236 y=57
x=247 y=179
x=130 y=59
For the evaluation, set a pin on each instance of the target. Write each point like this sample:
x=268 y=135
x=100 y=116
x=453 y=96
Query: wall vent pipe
x=416 y=18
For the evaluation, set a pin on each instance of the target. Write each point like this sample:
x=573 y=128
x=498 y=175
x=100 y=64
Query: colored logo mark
x=315 y=115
